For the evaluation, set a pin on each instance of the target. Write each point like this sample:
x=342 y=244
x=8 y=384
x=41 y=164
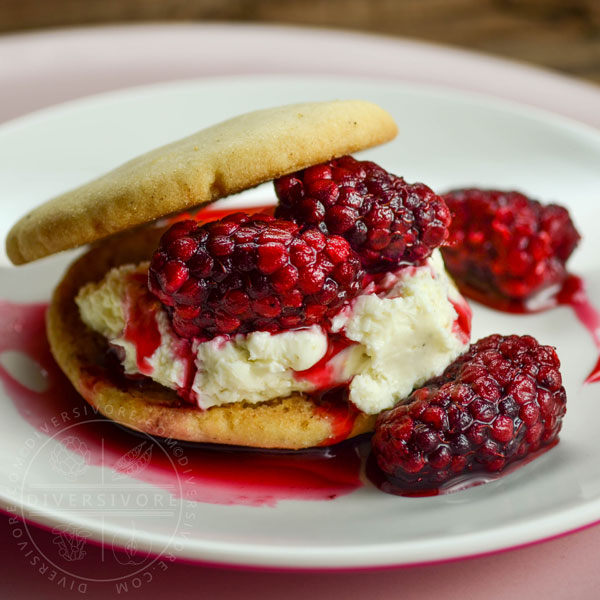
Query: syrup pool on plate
x=571 y=293
x=41 y=393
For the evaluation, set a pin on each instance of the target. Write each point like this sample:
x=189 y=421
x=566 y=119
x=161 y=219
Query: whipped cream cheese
x=255 y=367
x=404 y=334
x=396 y=335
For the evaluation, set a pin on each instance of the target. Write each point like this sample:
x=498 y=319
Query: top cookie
x=224 y=159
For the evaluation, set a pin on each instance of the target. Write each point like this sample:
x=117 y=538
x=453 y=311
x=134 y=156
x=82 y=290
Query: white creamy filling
x=403 y=335
x=101 y=305
x=255 y=367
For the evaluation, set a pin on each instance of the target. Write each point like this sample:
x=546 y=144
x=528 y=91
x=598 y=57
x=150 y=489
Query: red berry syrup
x=462 y=324
x=322 y=374
x=333 y=404
x=141 y=328
x=210 y=214
x=571 y=293
x=213 y=474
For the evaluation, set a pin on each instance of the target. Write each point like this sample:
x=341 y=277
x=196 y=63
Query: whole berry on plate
x=387 y=221
x=494 y=405
x=505 y=244
x=251 y=272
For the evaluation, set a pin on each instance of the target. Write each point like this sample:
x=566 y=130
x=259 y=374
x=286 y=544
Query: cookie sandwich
x=289 y=328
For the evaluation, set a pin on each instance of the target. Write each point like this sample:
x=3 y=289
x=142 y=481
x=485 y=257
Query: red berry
x=386 y=220
x=174 y=275
x=485 y=411
x=247 y=273
x=505 y=244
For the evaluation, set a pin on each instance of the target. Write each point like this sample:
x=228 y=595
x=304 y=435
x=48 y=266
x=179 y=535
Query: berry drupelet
x=495 y=404
x=506 y=245
x=387 y=221
x=248 y=273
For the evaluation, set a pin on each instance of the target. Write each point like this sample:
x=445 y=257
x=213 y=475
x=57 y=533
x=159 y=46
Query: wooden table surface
x=559 y=34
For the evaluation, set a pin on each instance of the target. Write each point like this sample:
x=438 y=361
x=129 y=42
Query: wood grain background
x=559 y=34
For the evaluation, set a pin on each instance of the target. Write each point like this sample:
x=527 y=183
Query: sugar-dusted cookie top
x=224 y=159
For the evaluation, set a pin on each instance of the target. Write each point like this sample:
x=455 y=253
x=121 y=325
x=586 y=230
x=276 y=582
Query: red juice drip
x=142 y=331
x=333 y=405
x=214 y=474
x=209 y=214
x=141 y=328
x=462 y=325
x=465 y=481
x=594 y=376
x=322 y=374
x=571 y=293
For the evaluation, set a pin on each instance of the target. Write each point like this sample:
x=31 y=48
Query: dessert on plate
x=311 y=322
x=285 y=330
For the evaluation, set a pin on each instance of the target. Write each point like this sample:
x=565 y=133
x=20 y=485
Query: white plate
x=447 y=139
x=45 y=67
